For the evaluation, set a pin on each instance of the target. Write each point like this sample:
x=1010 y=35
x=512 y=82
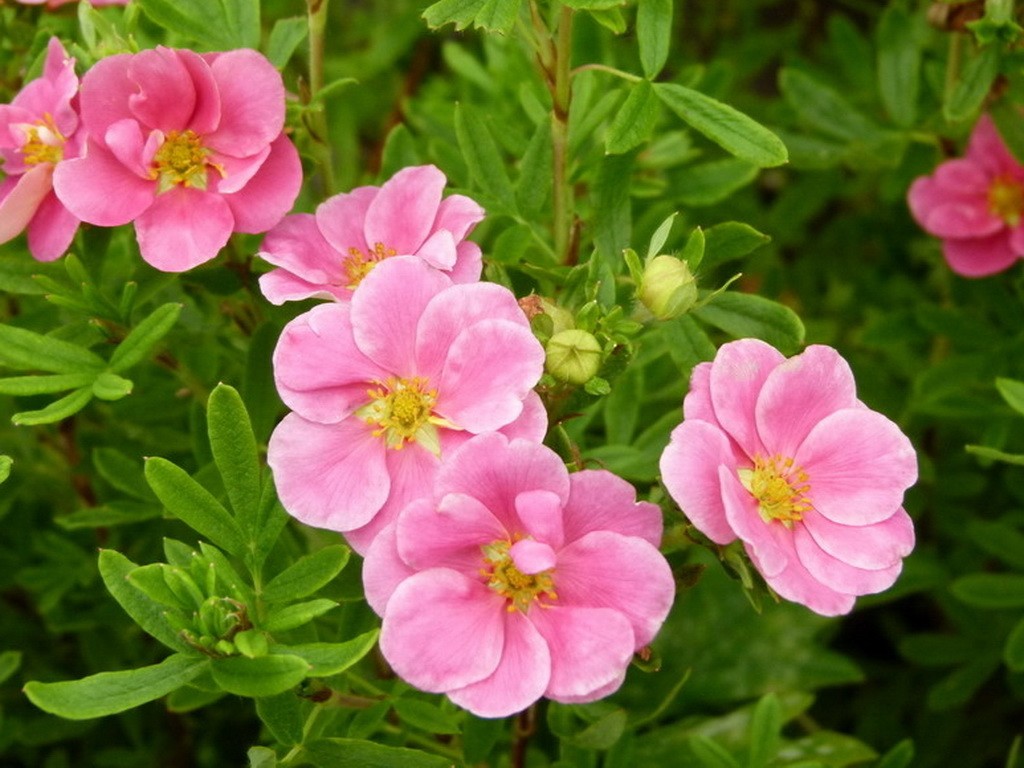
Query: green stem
x=605 y=68
x=561 y=94
x=956 y=48
x=317 y=121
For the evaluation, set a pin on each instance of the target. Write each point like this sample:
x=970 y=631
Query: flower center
x=520 y=589
x=358 y=264
x=780 y=489
x=1006 y=200
x=402 y=410
x=181 y=159
x=43 y=142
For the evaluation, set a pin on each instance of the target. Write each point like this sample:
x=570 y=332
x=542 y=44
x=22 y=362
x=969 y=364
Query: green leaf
x=828 y=749
x=729 y=128
x=261 y=757
x=122 y=472
x=426 y=716
x=1006 y=115
x=214 y=24
x=764 y=731
x=975 y=82
x=307 y=575
x=711 y=754
x=687 y=343
x=6 y=462
x=660 y=237
x=115 y=568
x=712 y=182
x=1012 y=392
x=534 y=184
x=899 y=65
x=613 y=215
x=990 y=590
x=9 y=663
x=285 y=38
x=742 y=315
x=24 y=350
x=492 y=15
x=143 y=337
x=106 y=515
x=634 y=122
x=730 y=240
x=107 y=693
x=326 y=659
x=900 y=756
x=235 y=453
x=57 y=410
x=194 y=505
x=110 y=386
x=44 y=385
x=482 y=156
x=593 y=5
x=1013 y=652
x=653 y=34
x=292 y=616
x=355 y=753
x=263 y=676
x=283 y=715
x=1000 y=539
x=821 y=107
x=271 y=520
x=149 y=579
x=603 y=732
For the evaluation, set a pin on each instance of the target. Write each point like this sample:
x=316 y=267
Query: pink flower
x=39 y=130
x=782 y=455
x=383 y=386
x=327 y=255
x=516 y=580
x=975 y=205
x=188 y=147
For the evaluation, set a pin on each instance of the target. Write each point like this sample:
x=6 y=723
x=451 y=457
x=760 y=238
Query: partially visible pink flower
x=975 y=204
x=188 y=147
x=516 y=580
x=327 y=255
x=39 y=130
x=58 y=3
x=783 y=456
x=385 y=385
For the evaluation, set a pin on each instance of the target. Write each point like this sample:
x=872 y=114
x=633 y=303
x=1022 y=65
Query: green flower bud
x=668 y=288
x=573 y=356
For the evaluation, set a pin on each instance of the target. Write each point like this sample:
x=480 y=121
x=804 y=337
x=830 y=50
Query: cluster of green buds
x=201 y=605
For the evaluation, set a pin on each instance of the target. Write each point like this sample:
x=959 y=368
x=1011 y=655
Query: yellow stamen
x=402 y=410
x=182 y=159
x=520 y=589
x=1006 y=199
x=780 y=489
x=358 y=264
x=44 y=143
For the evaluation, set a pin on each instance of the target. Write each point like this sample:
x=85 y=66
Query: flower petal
x=297 y=245
x=105 y=92
x=521 y=676
x=737 y=375
x=697 y=403
x=946 y=211
x=51 y=230
x=689 y=468
x=166 y=93
x=384 y=569
x=251 y=102
x=541 y=513
x=590 y=648
x=765 y=541
x=838 y=575
x=469 y=263
x=980 y=257
x=439 y=250
x=183 y=228
x=402 y=214
x=864 y=546
x=340 y=219
x=531 y=424
x=99 y=189
x=447 y=534
x=458 y=641
x=602 y=501
x=859 y=464
x=795 y=583
x=799 y=393
x=280 y=285
x=607 y=570
x=458 y=214
x=23 y=200
x=271 y=192
x=329 y=476
x=532 y=557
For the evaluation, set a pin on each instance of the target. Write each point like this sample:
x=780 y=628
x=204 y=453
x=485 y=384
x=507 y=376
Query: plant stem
x=559 y=83
x=610 y=70
x=317 y=121
x=524 y=726
x=956 y=47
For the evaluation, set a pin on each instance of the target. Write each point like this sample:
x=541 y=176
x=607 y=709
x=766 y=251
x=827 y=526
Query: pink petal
x=490 y=368
x=981 y=256
x=986 y=147
x=457 y=642
x=183 y=228
x=859 y=464
x=297 y=245
x=269 y=194
x=768 y=542
x=384 y=569
x=279 y=286
x=252 y=103
x=962 y=220
x=105 y=92
x=541 y=513
x=458 y=214
x=319 y=371
x=340 y=219
x=605 y=690
x=864 y=546
x=458 y=308
x=532 y=422
x=590 y=648
x=799 y=393
x=23 y=200
x=206 y=115
x=689 y=470
x=439 y=250
x=51 y=230
x=125 y=141
x=961 y=176
x=402 y=214
x=447 y=534
x=494 y=470
x=697 y=403
x=624 y=573
x=521 y=676
x=796 y=584
x=532 y=557
x=387 y=309
x=328 y=476
x=601 y=501
x=233 y=173
x=838 y=575
x=166 y=96
x=99 y=189
x=738 y=372
x=468 y=263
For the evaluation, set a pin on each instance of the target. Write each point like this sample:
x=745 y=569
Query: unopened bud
x=668 y=288
x=573 y=356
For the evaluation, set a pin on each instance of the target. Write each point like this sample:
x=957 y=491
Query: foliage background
x=866 y=96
